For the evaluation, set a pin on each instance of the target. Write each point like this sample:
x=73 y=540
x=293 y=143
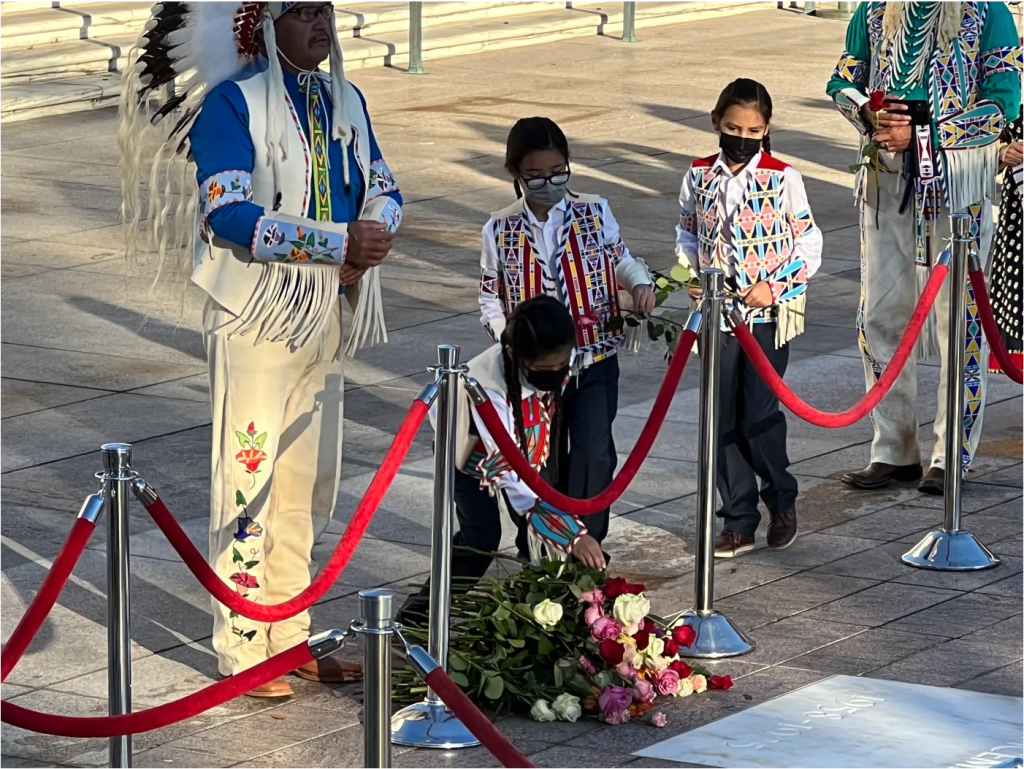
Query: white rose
x=655 y=647
x=685 y=688
x=629 y=609
x=699 y=682
x=567 y=707
x=541 y=711
x=547 y=613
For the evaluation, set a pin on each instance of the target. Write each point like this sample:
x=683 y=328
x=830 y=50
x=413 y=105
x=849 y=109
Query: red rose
x=681 y=668
x=611 y=652
x=720 y=682
x=684 y=635
x=614 y=587
x=671 y=648
x=642 y=638
x=876 y=101
x=634 y=589
x=252 y=428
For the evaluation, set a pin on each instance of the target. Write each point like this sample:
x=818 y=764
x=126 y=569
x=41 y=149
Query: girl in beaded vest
x=565 y=245
x=746 y=213
x=523 y=376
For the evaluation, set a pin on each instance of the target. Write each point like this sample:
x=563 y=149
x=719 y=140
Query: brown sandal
x=272 y=690
x=330 y=670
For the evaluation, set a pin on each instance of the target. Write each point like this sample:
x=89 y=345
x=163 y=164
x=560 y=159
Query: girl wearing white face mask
x=566 y=245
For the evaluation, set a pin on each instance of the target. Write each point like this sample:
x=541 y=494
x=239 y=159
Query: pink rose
x=657 y=719
x=593 y=614
x=615 y=699
x=643 y=691
x=618 y=717
x=627 y=671
x=594 y=597
x=666 y=682
x=587 y=666
x=700 y=683
x=605 y=629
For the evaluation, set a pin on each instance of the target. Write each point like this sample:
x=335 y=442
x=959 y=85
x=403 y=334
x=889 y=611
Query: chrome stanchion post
x=117 y=477
x=430 y=724
x=951 y=548
x=715 y=635
x=416 y=38
x=376 y=607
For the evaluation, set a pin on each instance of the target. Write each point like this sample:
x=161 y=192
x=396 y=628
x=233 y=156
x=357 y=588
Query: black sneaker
x=782 y=529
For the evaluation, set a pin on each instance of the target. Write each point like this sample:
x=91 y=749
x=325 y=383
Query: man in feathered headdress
x=295 y=206
x=930 y=86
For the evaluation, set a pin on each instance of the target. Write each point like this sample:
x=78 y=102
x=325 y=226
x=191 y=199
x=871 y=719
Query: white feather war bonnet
x=185 y=51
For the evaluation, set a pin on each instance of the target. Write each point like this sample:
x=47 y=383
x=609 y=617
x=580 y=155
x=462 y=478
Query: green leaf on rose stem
x=251 y=564
x=680 y=273
x=575 y=590
x=660 y=298
x=661 y=282
x=236 y=557
x=456 y=662
x=614 y=324
x=585 y=583
x=460 y=679
x=517 y=643
x=260 y=440
x=870 y=150
x=239 y=499
x=544 y=645
x=632 y=321
x=494 y=687
x=243 y=438
x=502 y=613
x=856 y=168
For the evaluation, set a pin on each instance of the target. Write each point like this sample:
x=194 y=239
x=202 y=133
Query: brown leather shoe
x=272 y=690
x=330 y=670
x=934 y=482
x=730 y=544
x=878 y=475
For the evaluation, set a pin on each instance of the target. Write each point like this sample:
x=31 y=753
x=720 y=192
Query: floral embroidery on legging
x=252 y=453
x=244 y=582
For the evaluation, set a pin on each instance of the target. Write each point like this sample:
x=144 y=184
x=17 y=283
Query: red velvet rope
x=40 y=607
x=162 y=715
x=988 y=322
x=339 y=559
x=475 y=721
x=878 y=390
x=521 y=467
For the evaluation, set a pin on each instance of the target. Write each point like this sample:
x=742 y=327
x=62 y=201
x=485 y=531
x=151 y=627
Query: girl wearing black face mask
x=746 y=213
x=565 y=245
x=524 y=376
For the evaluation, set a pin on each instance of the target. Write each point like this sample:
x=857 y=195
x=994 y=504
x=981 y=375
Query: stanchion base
x=950 y=551
x=716 y=636
x=429 y=725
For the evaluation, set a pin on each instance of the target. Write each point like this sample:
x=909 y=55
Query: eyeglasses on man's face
x=309 y=13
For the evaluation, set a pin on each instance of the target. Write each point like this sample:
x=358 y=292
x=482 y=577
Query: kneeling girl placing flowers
x=523 y=375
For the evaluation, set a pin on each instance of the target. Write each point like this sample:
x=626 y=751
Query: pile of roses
x=629 y=660
x=559 y=640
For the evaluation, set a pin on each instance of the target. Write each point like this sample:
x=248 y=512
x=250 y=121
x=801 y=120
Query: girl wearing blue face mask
x=565 y=245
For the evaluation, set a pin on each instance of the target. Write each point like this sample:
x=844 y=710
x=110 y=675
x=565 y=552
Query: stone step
x=80 y=21
x=91 y=80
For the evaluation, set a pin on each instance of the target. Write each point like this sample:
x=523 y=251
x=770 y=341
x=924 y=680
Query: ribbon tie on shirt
x=312 y=84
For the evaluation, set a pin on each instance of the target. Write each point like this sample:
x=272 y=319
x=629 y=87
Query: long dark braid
x=537 y=327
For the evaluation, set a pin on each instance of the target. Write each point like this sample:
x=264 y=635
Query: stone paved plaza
x=91 y=355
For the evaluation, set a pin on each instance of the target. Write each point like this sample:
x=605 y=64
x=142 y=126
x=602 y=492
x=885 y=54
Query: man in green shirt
x=930 y=86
